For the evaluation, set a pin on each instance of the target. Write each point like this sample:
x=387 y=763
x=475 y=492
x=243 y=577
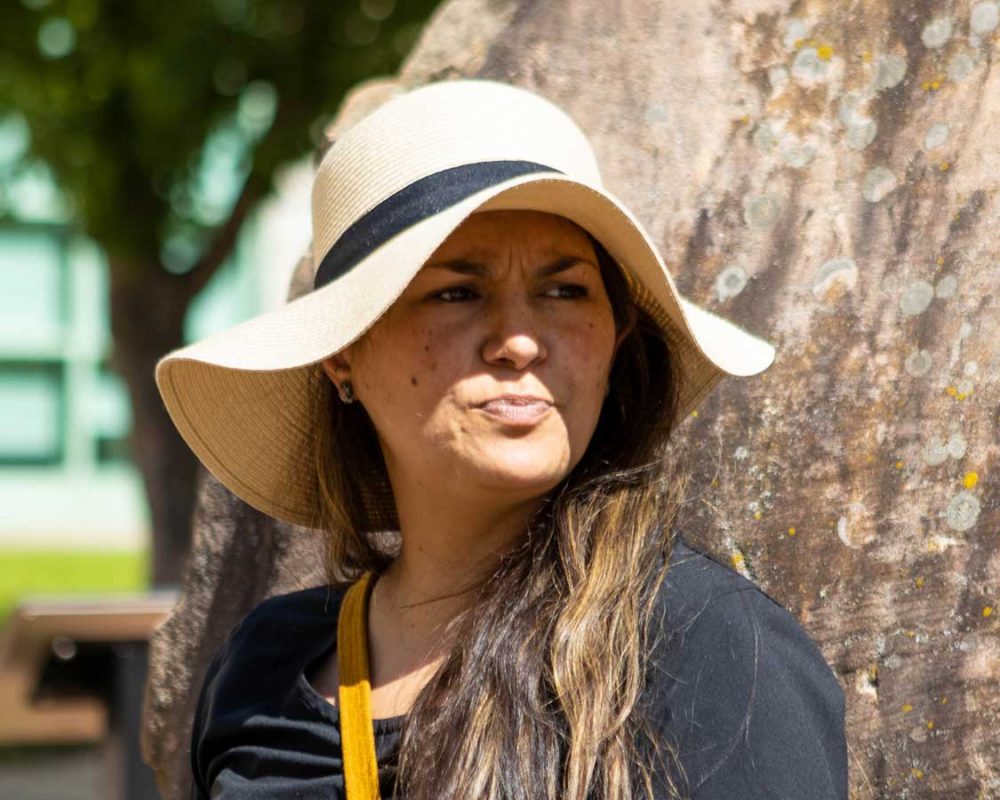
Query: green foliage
x=129 y=101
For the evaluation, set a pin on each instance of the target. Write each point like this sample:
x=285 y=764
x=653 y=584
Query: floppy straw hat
x=384 y=197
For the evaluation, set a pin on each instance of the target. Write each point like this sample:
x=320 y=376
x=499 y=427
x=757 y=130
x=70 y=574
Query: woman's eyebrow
x=466 y=267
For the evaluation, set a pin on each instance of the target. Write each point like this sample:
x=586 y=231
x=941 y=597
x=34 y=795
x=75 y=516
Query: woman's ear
x=633 y=318
x=337 y=368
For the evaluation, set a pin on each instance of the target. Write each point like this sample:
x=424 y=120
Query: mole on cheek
x=413 y=380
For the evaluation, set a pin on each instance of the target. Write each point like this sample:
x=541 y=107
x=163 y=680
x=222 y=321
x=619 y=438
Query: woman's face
x=512 y=303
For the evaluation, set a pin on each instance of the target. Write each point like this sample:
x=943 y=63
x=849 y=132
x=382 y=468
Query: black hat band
x=411 y=204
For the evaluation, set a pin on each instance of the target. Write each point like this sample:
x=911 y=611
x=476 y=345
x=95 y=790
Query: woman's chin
x=534 y=471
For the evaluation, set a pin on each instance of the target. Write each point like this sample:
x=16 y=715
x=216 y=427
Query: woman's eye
x=574 y=290
x=447 y=294
x=456 y=294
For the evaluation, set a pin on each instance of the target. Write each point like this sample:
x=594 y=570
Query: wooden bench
x=73 y=670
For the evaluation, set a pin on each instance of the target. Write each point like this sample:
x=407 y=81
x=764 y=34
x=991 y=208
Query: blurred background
x=155 y=166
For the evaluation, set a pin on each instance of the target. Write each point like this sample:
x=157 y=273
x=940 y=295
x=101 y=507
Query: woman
x=475 y=403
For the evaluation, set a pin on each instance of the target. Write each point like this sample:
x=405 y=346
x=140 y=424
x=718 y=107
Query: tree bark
x=826 y=176
x=148 y=307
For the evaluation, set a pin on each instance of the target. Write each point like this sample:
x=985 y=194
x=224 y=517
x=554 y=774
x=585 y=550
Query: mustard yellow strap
x=356 y=731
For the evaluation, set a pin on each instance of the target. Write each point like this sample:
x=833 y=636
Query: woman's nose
x=513 y=334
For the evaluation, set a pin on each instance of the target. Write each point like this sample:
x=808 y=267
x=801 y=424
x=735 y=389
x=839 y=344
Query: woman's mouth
x=517 y=411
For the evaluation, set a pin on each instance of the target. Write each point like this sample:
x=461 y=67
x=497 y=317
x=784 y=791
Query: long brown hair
x=540 y=696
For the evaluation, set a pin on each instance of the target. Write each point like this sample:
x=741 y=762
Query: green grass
x=35 y=572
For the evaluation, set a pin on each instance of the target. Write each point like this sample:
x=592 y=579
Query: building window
x=33 y=300
x=32 y=396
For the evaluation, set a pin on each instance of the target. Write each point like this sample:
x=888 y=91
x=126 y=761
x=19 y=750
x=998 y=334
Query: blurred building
x=65 y=477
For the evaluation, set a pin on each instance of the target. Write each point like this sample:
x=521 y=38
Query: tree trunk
x=147 y=321
x=827 y=178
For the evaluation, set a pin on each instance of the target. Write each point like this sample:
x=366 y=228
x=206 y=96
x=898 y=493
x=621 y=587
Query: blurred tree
x=135 y=105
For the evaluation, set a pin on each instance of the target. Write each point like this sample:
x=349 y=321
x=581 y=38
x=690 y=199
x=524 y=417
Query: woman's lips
x=517 y=412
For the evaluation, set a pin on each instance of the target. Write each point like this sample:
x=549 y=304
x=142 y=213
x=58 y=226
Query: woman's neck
x=442 y=561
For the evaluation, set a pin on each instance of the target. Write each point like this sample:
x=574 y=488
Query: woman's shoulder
x=270 y=645
x=740 y=689
x=701 y=594
x=255 y=668
x=287 y=614
x=287 y=629
x=698 y=584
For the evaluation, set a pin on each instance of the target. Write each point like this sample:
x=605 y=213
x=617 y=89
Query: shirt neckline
x=382 y=725
x=312 y=696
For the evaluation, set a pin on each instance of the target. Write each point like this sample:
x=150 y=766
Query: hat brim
x=239 y=398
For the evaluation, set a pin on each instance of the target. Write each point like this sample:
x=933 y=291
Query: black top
x=734 y=683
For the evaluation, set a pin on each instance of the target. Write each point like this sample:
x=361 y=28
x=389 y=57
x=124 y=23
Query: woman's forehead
x=483 y=268
x=515 y=217
x=491 y=233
